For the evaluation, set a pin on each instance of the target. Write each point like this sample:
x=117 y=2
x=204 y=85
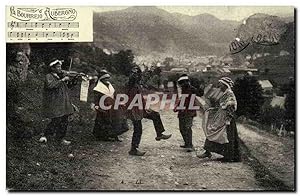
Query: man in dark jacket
x=186 y=114
x=136 y=113
x=57 y=103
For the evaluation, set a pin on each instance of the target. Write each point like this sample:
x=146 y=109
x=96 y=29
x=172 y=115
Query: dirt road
x=164 y=167
x=88 y=164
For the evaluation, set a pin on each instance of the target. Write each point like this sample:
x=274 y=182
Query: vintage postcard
x=150 y=98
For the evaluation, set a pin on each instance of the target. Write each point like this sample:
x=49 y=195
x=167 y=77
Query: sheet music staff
x=43 y=34
x=14 y=24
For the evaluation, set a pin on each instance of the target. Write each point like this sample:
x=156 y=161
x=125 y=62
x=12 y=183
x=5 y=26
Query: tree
x=123 y=62
x=45 y=52
x=290 y=106
x=249 y=96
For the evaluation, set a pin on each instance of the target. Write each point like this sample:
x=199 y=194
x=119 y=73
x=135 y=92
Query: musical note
x=14 y=24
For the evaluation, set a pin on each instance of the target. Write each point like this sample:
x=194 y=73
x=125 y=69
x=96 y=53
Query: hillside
x=280 y=67
x=152 y=30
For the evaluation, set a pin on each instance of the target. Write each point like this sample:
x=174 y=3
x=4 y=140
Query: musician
x=56 y=102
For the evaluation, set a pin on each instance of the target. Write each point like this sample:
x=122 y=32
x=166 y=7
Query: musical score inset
x=14 y=24
x=24 y=24
x=45 y=34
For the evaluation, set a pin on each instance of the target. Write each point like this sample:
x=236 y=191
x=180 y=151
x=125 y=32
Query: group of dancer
x=218 y=122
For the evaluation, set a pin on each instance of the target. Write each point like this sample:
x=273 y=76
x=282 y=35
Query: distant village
x=211 y=67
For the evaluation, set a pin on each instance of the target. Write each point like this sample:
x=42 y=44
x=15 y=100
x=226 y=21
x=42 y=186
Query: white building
x=266 y=85
x=278 y=101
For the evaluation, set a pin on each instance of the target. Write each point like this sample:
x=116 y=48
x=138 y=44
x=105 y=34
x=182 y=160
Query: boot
x=163 y=137
x=190 y=149
x=204 y=155
x=136 y=152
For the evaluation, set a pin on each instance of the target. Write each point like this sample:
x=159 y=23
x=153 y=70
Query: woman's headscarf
x=227 y=81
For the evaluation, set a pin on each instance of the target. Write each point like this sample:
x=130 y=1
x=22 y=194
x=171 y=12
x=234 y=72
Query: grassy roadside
x=262 y=174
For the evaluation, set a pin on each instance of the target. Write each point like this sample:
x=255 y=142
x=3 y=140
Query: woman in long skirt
x=108 y=123
x=220 y=128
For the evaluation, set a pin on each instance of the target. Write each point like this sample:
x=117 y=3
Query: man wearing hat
x=136 y=114
x=56 y=102
x=186 y=115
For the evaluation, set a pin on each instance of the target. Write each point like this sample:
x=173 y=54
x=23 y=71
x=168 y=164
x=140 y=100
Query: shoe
x=190 y=149
x=65 y=142
x=136 y=152
x=183 y=146
x=205 y=155
x=163 y=137
x=43 y=140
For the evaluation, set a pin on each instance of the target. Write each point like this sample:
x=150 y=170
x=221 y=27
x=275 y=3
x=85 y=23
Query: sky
x=221 y=12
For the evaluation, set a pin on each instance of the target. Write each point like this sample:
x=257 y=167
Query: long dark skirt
x=107 y=126
x=231 y=150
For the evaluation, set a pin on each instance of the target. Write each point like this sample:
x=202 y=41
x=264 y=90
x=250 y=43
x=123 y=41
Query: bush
x=272 y=116
x=249 y=97
x=290 y=106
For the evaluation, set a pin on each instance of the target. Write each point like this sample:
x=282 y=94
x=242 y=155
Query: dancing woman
x=219 y=126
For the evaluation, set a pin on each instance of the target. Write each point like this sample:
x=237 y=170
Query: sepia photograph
x=150 y=98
